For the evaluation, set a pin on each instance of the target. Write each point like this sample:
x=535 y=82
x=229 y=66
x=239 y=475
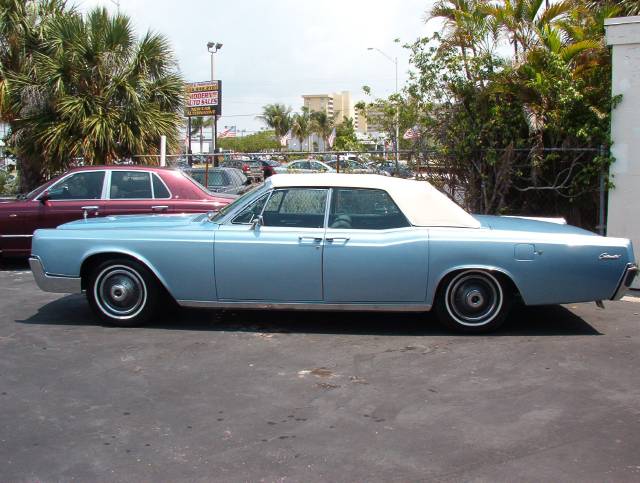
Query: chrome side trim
x=16 y=236
x=261 y=305
x=630 y=272
x=53 y=283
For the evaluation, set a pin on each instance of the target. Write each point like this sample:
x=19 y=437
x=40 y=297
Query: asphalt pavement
x=291 y=396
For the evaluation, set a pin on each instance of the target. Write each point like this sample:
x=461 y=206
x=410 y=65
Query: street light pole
x=213 y=48
x=397 y=120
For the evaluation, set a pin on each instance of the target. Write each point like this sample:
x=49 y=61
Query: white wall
x=623 y=218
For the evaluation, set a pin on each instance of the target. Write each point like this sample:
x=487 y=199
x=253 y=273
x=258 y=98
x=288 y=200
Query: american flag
x=412 y=133
x=332 y=137
x=229 y=132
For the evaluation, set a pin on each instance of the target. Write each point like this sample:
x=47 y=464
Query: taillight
x=245 y=168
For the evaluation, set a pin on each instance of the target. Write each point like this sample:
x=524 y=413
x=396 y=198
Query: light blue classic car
x=332 y=242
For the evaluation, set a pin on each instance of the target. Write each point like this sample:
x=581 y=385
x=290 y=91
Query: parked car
x=221 y=180
x=334 y=241
x=389 y=167
x=252 y=168
x=305 y=166
x=268 y=167
x=95 y=191
x=355 y=167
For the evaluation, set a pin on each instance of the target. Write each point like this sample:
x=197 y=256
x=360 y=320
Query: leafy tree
x=488 y=118
x=91 y=90
x=346 y=139
x=252 y=143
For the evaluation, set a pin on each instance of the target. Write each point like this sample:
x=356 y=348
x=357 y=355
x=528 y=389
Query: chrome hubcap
x=474 y=298
x=120 y=292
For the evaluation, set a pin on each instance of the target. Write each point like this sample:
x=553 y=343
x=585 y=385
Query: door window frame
x=68 y=175
x=107 y=188
x=228 y=220
x=375 y=230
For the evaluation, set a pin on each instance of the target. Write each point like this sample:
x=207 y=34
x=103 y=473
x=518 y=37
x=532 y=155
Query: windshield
x=238 y=201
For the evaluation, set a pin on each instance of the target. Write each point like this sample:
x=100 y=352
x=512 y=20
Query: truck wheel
x=472 y=301
x=123 y=292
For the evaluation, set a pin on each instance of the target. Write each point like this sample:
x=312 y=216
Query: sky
x=275 y=51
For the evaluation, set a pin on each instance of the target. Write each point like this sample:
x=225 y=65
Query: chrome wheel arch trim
x=478 y=267
x=126 y=253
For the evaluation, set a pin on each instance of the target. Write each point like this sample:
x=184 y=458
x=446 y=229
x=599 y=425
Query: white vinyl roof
x=422 y=204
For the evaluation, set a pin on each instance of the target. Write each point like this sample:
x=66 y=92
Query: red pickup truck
x=101 y=191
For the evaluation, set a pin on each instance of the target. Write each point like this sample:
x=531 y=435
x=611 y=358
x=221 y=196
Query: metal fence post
x=601 y=215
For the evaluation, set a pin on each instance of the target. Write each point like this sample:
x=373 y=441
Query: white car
x=300 y=166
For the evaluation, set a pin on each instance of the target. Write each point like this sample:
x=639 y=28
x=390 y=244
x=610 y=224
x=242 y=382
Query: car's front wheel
x=472 y=301
x=123 y=292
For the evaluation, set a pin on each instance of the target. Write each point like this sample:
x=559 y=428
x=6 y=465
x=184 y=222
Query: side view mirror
x=257 y=222
x=44 y=197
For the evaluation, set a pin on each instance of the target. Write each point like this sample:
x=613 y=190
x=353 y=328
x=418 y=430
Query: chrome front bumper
x=53 y=283
x=626 y=280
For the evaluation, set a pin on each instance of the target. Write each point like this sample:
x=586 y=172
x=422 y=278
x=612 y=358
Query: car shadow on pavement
x=14 y=264
x=539 y=321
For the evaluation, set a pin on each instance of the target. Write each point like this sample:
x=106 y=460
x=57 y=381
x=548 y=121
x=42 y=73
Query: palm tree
x=322 y=125
x=22 y=30
x=96 y=92
x=524 y=20
x=301 y=126
x=631 y=7
x=465 y=25
x=278 y=118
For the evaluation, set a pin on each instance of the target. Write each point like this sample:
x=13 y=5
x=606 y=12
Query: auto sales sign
x=204 y=99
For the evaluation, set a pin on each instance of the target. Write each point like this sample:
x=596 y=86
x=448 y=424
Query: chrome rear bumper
x=626 y=280
x=53 y=283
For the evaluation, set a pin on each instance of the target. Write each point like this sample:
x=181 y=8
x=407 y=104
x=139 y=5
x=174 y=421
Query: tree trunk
x=30 y=172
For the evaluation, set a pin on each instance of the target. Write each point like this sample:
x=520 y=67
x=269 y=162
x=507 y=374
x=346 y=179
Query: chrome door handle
x=316 y=239
x=86 y=209
x=338 y=238
x=160 y=208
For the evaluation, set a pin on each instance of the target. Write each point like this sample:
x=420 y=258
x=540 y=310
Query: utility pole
x=397 y=120
x=213 y=48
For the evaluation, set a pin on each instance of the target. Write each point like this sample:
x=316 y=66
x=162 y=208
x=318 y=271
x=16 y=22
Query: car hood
x=134 y=222
x=524 y=224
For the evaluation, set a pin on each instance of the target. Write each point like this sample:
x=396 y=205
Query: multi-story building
x=338 y=105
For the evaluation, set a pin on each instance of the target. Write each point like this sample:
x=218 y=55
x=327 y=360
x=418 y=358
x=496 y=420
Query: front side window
x=296 y=207
x=79 y=186
x=247 y=215
x=130 y=185
x=365 y=209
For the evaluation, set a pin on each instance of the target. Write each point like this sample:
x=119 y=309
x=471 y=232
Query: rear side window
x=364 y=209
x=130 y=185
x=160 y=191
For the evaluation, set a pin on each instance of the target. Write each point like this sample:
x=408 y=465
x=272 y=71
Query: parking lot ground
x=273 y=396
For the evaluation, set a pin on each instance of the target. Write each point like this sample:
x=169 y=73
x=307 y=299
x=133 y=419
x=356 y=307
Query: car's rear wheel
x=123 y=292
x=472 y=301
